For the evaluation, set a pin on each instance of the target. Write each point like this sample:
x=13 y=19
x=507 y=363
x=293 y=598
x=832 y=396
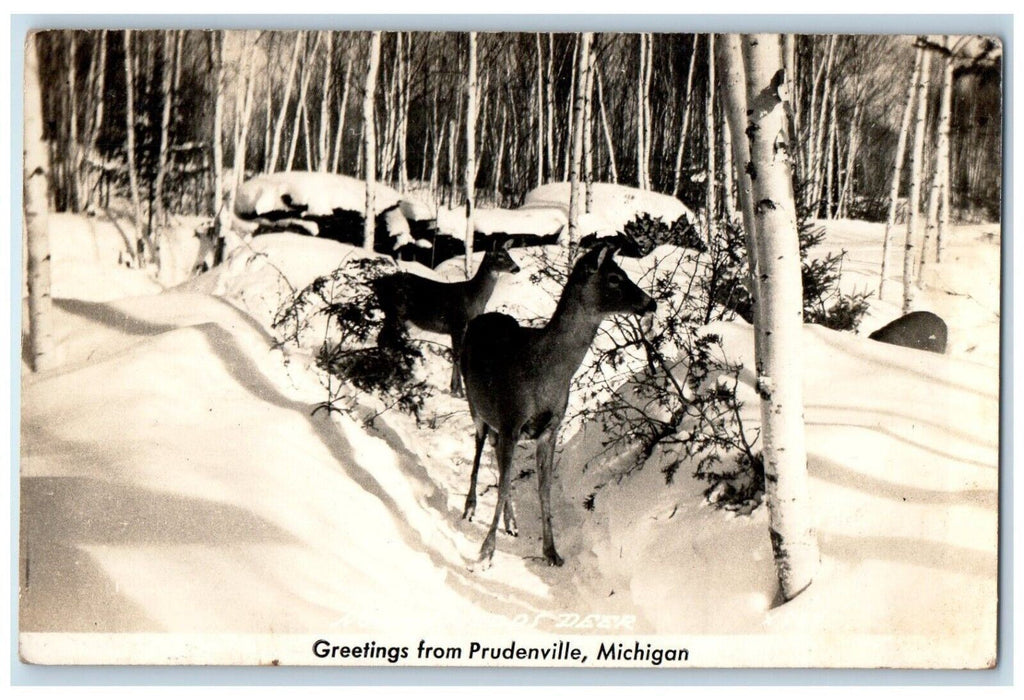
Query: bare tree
x=582 y=65
x=897 y=170
x=943 y=151
x=678 y=175
x=779 y=380
x=141 y=238
x=916 y=158
x=275 y=146
x=370 y=140
x=609 y=144
x=323 y=152
x=470 y=177
x=709 y=124
x=300 y=108
x=36 y=172
x=339 y=134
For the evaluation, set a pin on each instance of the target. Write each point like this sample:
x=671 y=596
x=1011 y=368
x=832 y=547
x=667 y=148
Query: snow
x=176 y=485
x=613 y=205
x=523 y=222
x=320 y=194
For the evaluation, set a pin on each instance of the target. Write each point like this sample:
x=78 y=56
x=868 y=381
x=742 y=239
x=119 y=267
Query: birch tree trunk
x=216 y=46
x=571 y=113
x=323 y=154
x=588 y=128
x=370 y=140
x=74 y=151
x=95 y=120
x=677 y=178
x=470 y=176
x=245 y=109
x=817 y=174
x=275 y=145
x=339 y=135
x=167 y=96
x=141 y=238
x=728 y=197
x=607 y=131
x=641 y=111
x=709 y=119
x=582 y=63
x=897 y=171
x=540 y=112
x=830 y=157
x=916 y=158
x=780 y=381
x=549 y=86
x=942 y=152
x=729 y=64
x=36 y=172
x=300 y=107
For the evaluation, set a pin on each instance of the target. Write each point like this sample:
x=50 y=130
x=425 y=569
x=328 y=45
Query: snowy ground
x=175 y=486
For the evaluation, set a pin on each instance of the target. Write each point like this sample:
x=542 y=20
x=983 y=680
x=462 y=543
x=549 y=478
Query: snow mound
x=311 y=193
x=538 y=221
x=615 y=204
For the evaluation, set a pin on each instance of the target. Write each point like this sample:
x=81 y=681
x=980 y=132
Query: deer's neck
x=571 y=330
x=483 y=281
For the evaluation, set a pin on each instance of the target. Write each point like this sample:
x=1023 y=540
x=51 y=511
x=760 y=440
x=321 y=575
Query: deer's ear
x=605 y=253
x=507 y=244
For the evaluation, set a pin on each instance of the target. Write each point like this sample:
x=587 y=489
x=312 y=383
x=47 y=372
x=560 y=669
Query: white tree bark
x=140 y=253
x=36 y=170
x=709 y=123
x=470 y=175
x=370 y=140
x=275 y=146
x=916 y=158
x=300 y=107
x=339 y=134
x=897 y=171
x=540 y=112
x=323 y=155
x=780 y=380
x=677 y=178
x=575 y=194
x=216 y=46
x=607 y=130
x=943 y=151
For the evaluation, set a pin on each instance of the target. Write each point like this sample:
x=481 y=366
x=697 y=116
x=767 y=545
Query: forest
x=729 y=304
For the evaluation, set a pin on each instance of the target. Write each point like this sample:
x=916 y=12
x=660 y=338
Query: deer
x=921 y=330
x=440 y=307
x=517 y=381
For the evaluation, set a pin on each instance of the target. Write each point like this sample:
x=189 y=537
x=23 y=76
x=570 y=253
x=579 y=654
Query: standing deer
x=517 y=379
x=441 y=307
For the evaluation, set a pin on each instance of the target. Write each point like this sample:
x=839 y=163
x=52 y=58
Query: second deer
x=517 y=379
x=440 y=307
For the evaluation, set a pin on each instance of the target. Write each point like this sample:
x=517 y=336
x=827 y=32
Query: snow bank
x=520 y=222
x=616 y=205
x=314 y=194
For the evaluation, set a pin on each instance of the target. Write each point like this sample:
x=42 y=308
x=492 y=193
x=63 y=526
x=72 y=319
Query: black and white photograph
x=578 y=349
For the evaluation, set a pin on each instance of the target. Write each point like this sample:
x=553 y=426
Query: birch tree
x=216 y=48
x=779 y=375
x=370 y=140
x=582 y=64
x=36 y=172
x=609 y=143
x=942 y=152
x=709 y=122
x=916 y=158
x=677 y=177
x=470 y=176
x=141 y=248
x=323 y=148
x=897 y=170
x=275 y=145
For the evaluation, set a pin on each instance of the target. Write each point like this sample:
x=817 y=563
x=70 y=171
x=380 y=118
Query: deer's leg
x=481 y=438
x=456 y=383
x=545 y=463
x=511 y=527
x=506 y=446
